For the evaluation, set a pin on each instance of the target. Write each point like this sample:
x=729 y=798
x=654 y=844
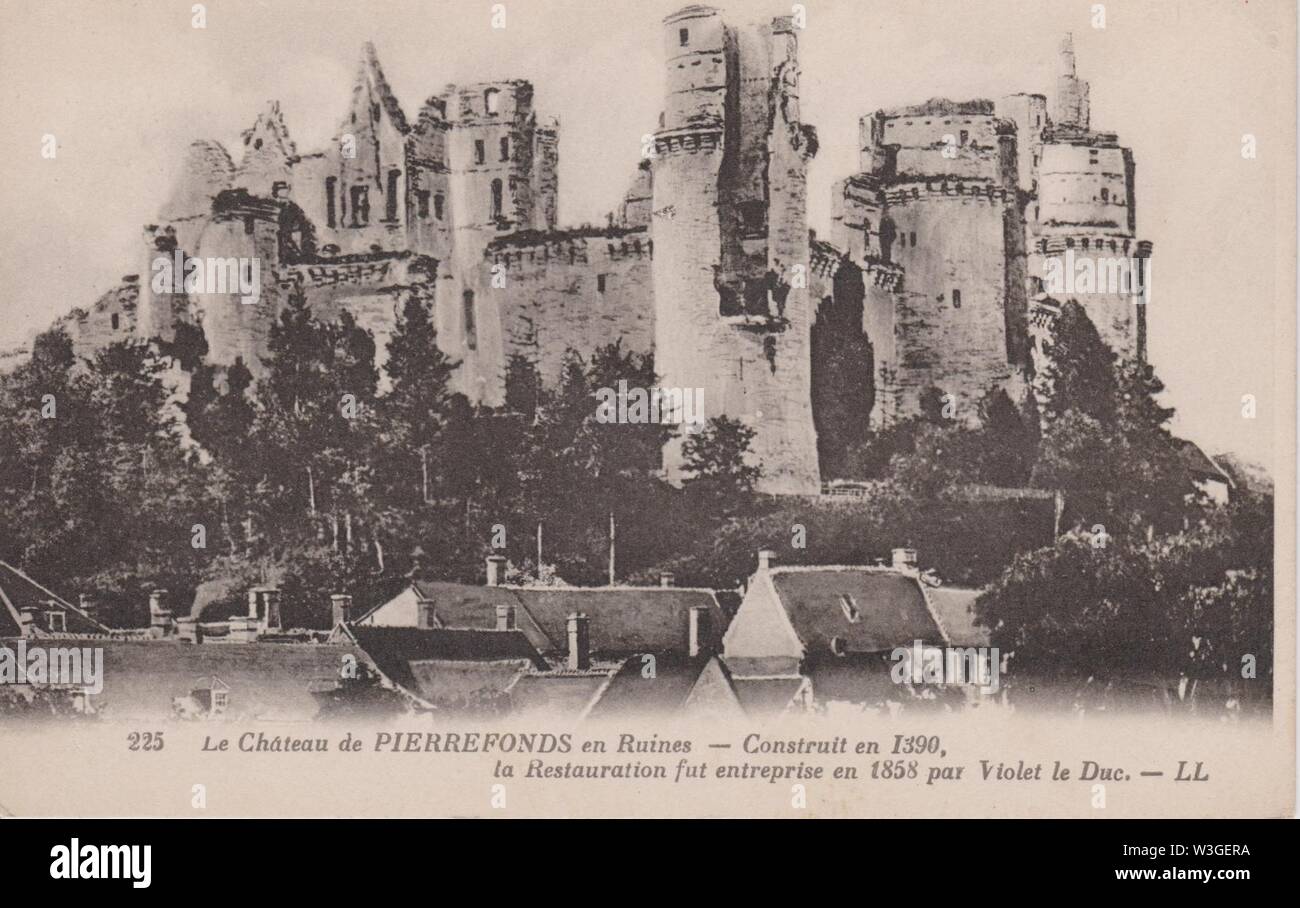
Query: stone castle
x=931 y=277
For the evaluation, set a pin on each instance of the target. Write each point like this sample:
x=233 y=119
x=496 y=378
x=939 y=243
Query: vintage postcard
x=636 y=409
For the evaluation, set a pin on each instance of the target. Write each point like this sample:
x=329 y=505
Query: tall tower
x=1071 y=91
x=732 y=314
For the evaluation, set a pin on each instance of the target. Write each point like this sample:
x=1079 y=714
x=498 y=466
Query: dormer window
x=850 y=608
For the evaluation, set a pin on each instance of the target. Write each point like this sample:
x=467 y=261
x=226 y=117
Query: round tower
x=731 y=306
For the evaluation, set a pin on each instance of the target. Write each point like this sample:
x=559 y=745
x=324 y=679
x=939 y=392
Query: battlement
x=826 y=258
x=568 y=246
x=703 y=136
x=393 y=271
x=481 y=103
x=1057 y=244
x=911 y=188
x=885 y=275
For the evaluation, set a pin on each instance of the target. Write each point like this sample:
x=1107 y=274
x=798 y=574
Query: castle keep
x=932 y=277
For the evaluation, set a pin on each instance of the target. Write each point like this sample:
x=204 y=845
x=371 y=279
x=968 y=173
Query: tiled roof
x=19 y=592
x=864 y=610
x=623 y=620
x=631 y=694
x=953 y=606
x=266 y=680
x=765 y=696
x=394 y=650
x=559 y=694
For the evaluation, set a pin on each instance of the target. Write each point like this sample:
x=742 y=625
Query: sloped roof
x=891 y=608
x=765 y=696
x=623 y=620
x=1198 y=463
x=566 y=694
x=18 y=592
x=269 y=681
x=953 y=606
x=395 y=649
x=631 y=694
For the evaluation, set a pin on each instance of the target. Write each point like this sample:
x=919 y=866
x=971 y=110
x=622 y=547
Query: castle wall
x=579 y=293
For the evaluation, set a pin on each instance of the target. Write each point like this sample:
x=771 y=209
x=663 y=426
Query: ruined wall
x=110 y=320
x=568 y=291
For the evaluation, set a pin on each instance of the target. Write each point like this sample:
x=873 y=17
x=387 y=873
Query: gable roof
x=630 y=694
x=953 y=606
x=265 y=681
x=890 y=607
x=19 y=592
x=396 y=650
x=623 y=620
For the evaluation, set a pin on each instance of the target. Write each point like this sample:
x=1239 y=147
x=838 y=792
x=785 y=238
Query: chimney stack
x=666 y=578
x=905 y=559
x=579 y=643
x=496 y=569
x=341 y=608
x=700 y=630
x=426 y=615
x=765 y=557
x=505 y=617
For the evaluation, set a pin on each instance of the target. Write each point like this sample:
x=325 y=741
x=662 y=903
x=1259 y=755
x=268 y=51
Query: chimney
x=505 y=617
x=666 y=578
x=341 y=608
x=496 y=569
x=426 y=614
x=765 y=557
x=905 y=559
x=700 y=628
x=579 y=643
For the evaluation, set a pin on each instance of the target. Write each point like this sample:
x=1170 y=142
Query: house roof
x=396 y=650
x=269 y=681
x=765 y=696
x=953 y=606
x=1198 y=463
x=631 y=694
x=889 y=608
x=19 y=592
x=623 y=620
x=566 y=694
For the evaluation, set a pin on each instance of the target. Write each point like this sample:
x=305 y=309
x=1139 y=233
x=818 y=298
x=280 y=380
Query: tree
x=716 y=460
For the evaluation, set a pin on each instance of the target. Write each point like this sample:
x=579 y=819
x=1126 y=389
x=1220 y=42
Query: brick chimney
x=579 y=643
x=341 y=608
x=700 y=630
x=496 y=570
x=666 y=578
x=904 y=559
x=426 y=614
x=765 y=557
x=505 y=617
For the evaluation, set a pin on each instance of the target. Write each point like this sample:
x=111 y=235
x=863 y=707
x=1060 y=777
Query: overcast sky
x=126 y=86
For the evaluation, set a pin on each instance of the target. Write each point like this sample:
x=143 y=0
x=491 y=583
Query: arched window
x=496 y=200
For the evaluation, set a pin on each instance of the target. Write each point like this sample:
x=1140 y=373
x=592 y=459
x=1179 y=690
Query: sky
x=125 y=87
